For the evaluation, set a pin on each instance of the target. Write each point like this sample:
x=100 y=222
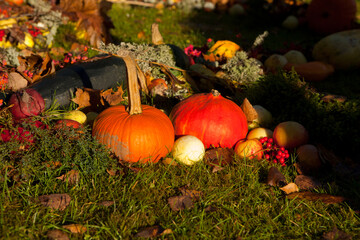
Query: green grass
x=241 y=203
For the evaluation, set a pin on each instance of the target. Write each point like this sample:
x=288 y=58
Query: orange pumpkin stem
x=133 y=86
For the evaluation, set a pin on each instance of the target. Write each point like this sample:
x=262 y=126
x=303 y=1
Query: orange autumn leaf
x=113 y=97
x=89 y=98
x=75 y=228
x=141 y=35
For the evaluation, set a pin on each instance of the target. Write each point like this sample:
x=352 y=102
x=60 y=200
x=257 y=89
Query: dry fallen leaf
x=336 y=234
x=89 y=99
x=156 y=37
x=16 y=81
x=72 y=177
x=178 y=203
x=106 y=203
x=307 y=182
x=55 y=201
x=248 y=110
x=169 y=161
x=113 y=97
x=46 y=67
x=290 y=188
x=219 y=156
x=87 y=13
x=276 y=178
x=311 y=196
x=153 y=232
x=57 y=234
x=193 y=194
x=76 y=228
x=333 y=98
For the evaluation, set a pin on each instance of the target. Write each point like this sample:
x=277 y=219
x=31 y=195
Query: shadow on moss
x=335 y=125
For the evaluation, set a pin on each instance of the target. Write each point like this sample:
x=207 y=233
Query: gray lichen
x=241 y=69
x=11 y=56
x=145 y=54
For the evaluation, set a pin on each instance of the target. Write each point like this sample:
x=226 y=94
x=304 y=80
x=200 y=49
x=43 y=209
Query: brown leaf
x=217 y=169
x=89 y=99
x=53 y=164
x=336 y=234
x=173 y=79
x=88 y=16
x=82 y=98
x=57 y=234
x=156 y=35
x=193 y=194
x=333 y=98
x=55 y=201
x=76 y=228
x=290 y=188
x=72 y=177
x=16 y=81
x=248 y=110
x=111 y=97
x=311 y=196
x=46 y=67
x=178 y=203
x=106 y=203
x=307 y=182
x=219 y=156
x=169 y=161
x=276 y=178
x=150 y=232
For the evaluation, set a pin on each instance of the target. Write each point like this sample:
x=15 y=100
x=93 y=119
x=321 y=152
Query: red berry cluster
x=20 y=134
x=28 y=73
x=34 y=31
x=4 y=78
x=273 y=152
x=2 y=34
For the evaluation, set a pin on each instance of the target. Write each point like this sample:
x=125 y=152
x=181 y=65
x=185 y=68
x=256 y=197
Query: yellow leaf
x=75 y=228
x=290 y=188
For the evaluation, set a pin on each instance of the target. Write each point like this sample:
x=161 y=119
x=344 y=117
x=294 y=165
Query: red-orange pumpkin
x=330 y=16
x=139 y=134
x=215 y=120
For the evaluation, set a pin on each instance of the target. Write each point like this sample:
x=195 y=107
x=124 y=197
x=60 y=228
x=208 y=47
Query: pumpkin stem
x=133 y=86
x=215 y=92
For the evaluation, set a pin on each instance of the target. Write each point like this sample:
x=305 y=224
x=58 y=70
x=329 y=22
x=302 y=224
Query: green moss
x=287 y=97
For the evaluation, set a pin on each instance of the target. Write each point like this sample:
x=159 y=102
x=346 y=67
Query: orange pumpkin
x=313 y=71
x=330 y=16
x=140 y=133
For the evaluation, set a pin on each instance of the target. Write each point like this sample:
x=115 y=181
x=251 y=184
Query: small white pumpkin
x=275 y=62
x=295 y=57
x=341 y=49
x=188 y=150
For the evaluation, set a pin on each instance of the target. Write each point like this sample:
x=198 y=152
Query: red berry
x=268 y=145
x=281 y=160
x=270 y=140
